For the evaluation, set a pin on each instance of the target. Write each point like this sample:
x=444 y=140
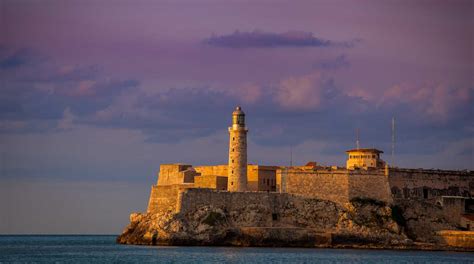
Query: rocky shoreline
x=363 y=224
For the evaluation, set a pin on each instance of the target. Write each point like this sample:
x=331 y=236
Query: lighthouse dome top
x=238 y=118
x=238 y=111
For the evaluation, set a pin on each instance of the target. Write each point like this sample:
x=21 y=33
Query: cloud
x=306 y=92
x=14 y=58
x=340 y=62
x=261 y=39
x=249 y=93
x=435 y=100
x=287 y=111
x=37 y=95
x=66 y=123
x=169 y=114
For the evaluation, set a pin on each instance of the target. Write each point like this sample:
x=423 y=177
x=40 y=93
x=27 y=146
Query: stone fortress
x=427 y=202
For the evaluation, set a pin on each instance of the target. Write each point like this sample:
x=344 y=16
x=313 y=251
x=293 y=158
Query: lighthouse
x=237 y=172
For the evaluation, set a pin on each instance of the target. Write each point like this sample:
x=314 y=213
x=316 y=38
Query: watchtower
x=237 y=172
x=364 y=158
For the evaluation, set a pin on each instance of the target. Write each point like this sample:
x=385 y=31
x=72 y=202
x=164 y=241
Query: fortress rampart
x=430 y=184
x=339 y=185
x=334 y=184
x=165 y=198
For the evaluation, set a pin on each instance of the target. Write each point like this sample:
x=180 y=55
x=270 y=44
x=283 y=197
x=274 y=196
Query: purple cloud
x=261 y=39
x=340 y=62
x=35 y=95
x=14 y=58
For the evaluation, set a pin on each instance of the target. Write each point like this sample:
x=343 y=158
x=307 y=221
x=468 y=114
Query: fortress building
x=237 y=172
x=366 y=176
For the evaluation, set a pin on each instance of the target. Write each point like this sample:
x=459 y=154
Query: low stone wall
x=460 y=239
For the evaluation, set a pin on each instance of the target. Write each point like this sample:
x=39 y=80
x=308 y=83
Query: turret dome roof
x=238 y=111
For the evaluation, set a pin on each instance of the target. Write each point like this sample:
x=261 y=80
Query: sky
x=95 y=95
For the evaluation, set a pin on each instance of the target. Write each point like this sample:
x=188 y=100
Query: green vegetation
x=367 y=201
x=213 y=218
x=397 y=215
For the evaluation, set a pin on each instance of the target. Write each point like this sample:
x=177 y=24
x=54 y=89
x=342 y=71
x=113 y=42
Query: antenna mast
x=291 y=156
x=357 y=138
x=393 y=141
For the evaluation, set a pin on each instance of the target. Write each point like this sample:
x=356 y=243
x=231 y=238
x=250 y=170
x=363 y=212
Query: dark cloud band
x=261 y=39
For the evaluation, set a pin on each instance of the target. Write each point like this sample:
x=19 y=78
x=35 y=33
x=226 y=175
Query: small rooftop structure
x=364 y=158
x=371 y=150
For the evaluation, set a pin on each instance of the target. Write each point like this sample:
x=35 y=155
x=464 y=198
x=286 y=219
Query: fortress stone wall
x=175 y=174
x=326 y=185
x=262 y=209
x=372 y=184
x=261 y=178
x=211 y=181
x=220 y=170
x=430 y=184
x=270 y=203
x=339 y=185
x=165 y=198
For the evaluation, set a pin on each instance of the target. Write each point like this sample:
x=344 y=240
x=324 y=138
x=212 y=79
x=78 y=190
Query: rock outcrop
x=300 y=222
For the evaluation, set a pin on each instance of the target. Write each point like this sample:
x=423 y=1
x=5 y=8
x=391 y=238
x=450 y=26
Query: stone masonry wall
x=220 y=170
x=193 y=199
x=326 y=185
x=211 y=181
x=170 y=174
x=453 y=208
x=165 y=198
x=430 y=184
x=263 y=209
x=369 y=184
x=339 y=185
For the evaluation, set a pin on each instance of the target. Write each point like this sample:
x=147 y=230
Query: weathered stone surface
x=463 y=239
x=423 y=219
x=293 y=221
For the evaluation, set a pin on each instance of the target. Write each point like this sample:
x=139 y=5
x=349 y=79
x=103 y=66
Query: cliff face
x=291 y=221
x=421 y=220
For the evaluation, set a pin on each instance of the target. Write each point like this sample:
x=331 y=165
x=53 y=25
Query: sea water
x=103 y=249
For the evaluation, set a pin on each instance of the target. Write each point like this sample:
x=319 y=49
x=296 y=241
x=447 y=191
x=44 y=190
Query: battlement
x=432 y=171
x=170 y=174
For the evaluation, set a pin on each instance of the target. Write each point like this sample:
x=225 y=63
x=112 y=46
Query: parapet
x=176 y=174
